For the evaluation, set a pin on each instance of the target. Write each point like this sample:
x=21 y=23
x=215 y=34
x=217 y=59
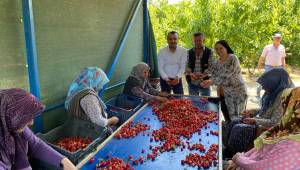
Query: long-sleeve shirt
x=272 y=115
x=35 y=148
x=228 y=75
x=148 y=94
x=172 y=64
x=92 y=108
x=133 y=87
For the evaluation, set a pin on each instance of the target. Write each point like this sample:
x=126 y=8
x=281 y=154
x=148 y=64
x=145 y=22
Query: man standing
x=198 y=64
x=171 y=65
x=273 y=56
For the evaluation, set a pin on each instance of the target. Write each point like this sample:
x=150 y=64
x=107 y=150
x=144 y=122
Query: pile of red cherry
x=199 y=147
x=180 y=119
x=73 y=144
x=130 y=130
x=113 y=164
x=194 y=159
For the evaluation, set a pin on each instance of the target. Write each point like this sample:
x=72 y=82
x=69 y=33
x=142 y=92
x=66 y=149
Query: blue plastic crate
x=123 y=106
x=125 y=102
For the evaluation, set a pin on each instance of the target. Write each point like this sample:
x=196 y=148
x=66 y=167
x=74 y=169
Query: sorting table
x=171 y=160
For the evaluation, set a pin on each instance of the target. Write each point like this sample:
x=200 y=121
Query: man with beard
x=198 y=63
x=171 y=65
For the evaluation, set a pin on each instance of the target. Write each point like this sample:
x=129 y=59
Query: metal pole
x=31 y=54
x=121 y=44
x=146 y=30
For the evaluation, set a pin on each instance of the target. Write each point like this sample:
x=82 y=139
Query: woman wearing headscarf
x=137 y=84
x=17 y=141
x=242 y=132
x=226 y=74
x=83 y=100
x=279 y=147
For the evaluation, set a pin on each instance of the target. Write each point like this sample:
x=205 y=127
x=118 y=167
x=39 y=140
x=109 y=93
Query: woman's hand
x=175 y=81
x=249 y=121
x=197 y=76
x=169 y=82
x=113 y=121
x=164 y=94
x=161 y=99
x=248 y=113
x=231 y=165
x=67 y=164
x=206 y=83
x=245 y=114
x=234 y=158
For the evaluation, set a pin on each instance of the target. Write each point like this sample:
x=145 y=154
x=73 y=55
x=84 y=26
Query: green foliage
x=246 y=25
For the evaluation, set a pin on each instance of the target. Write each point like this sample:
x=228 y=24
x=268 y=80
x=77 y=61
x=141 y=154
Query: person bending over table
x=83 y=101
x=137 y=84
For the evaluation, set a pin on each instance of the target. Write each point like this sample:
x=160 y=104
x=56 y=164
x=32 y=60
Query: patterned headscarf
x=92 y=78
x=17 y=109
x=138 y=72
x=289 y=126
x=273 y=82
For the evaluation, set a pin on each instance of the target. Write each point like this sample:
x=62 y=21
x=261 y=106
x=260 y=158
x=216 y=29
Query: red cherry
x=130 y=130
x=140 y=158
x=73 y=144
x=135 y=162
x=92 y=160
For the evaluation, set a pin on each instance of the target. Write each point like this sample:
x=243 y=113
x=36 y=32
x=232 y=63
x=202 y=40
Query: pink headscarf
x=17 y=109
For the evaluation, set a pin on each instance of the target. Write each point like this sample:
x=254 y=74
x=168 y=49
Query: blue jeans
x=177 y=89
x=198 y=91
x=267 y=68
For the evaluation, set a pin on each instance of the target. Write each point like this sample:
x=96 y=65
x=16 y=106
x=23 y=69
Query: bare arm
x=283 y=61
x=261 y=63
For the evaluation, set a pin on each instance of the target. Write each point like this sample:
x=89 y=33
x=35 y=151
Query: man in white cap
x=273 y=56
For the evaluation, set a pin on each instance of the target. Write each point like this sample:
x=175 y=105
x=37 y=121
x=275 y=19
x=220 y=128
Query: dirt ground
x=253 y=101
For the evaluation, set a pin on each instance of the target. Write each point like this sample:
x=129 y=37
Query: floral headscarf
x=289 y=126
x=92 y=78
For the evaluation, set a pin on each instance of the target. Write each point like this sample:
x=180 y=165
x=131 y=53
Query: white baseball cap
x=276 y=35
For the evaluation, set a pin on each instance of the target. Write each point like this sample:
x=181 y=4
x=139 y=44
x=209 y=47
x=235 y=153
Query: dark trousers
x=177 y=89
x=224 y=109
